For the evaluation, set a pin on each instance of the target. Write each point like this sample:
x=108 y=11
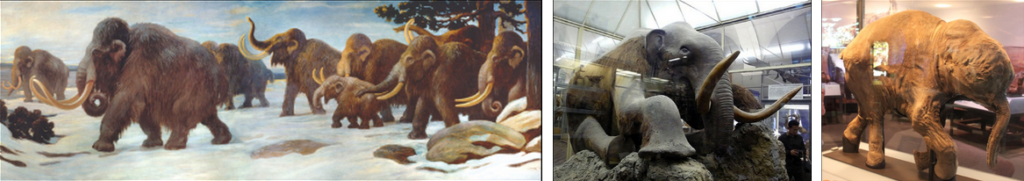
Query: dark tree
x=436 y=15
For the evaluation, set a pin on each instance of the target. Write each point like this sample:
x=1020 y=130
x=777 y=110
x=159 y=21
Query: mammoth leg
x=230 y=104
x=221 y=134
x=312 y=106
x=352 y=122
x=336 y=119
x=151 y=127
x=876 y=143
x=288 y=107
x=410 y=111
x=661 y=129
x=385 y=113
x=925 y=122
x=377 y=122
x=364 y=122
x=178 y=139
x=58 y=88
x=263 y=98
x=27 y=91
x=446 y=107
x=113 y=124
x=611 y=149
x=420 y=119
x=248 y=101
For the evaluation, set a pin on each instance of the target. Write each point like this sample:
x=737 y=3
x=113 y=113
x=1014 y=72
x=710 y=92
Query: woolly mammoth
x=137 y=74
x=934 y=63
x=502 y=77
x=244 y=77
x=470 y=35
x=40 y=64
x=693 y=64
x=433 y=76
x=371 y=61
x=350 y=106
x=299 y=56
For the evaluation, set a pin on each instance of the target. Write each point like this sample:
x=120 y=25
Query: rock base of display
x=755 y=155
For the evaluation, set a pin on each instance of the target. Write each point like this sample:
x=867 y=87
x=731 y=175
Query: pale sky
x=65 y=28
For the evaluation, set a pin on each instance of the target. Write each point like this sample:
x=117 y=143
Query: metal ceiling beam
x=589 y=28
x=701 y=12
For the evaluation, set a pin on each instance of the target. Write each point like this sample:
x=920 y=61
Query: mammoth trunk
x=318 y=97
x=492 y=107
x=96 y=104
x=392 y=81
x=259 y=45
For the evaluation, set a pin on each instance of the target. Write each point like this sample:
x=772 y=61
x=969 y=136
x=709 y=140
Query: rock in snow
x=473 y=140
x=398 y=153
x=304 y=147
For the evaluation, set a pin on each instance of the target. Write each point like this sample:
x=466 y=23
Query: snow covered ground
x=349 y=154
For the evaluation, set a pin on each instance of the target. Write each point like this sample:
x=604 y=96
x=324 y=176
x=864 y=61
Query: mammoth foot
x=405 y=119
x=174 y=146
x=319 y=111
x=103 y=146
x=353 y=126
x=378 y=123
x=850 y=147
x=923 y=159
x=220 y=140
x=336 y=125
x=417 y=135
x=659 y=126
x=283 y=114
x=149 y=143
x=364 y=126
x=879 y=165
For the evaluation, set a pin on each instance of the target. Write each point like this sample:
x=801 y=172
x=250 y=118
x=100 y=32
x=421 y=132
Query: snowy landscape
x=347 y=154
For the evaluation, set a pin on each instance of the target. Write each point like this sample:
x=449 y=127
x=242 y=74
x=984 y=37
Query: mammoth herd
x=145 y=73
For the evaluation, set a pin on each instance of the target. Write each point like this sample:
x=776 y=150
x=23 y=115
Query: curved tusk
x=313 y=74
x=12 y=88
x=472 y=97
x=393 y=92
x=478 y=99
x=745 y=117
x=322 y=75
x=247 y=54
x=408 y=36
x=704 y=94
x=65 y=105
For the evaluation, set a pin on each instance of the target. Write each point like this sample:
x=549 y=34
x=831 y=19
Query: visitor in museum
x=794 y=144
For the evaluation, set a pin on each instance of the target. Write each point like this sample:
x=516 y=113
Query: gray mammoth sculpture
x=245 y=77
x=694 y=64
x=40 y=64
x=940 y=62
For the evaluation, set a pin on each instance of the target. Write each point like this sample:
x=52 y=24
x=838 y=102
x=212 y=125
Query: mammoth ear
x=293 y=45
x=363 y=53
x=27 y=61
x=338 y=87
x=655 y=40
x=428 y=58
x=517 y=56
x=117 y=50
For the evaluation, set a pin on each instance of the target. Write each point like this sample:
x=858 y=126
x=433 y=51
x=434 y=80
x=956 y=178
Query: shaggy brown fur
x=435 y=80
x=156 y=78
x=470 y=35
x=244 y=76
x=350 y=106
x=300 y=56
x=506 y=69
x=371 y=62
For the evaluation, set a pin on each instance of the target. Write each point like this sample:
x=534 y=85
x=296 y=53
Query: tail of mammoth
x=995 y=139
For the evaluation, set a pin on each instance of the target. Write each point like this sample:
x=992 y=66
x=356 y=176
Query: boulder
x=398 y=153
x=473 y=140
x=756 y=154
x=534 y=145
x=528 y=123
x=304 y=147
x=586 y=165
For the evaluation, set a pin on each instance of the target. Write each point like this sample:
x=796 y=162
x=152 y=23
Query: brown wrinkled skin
x=350 y=106
x=41 y=64
x=162 y=80
x=931 y=63
x=434 y=81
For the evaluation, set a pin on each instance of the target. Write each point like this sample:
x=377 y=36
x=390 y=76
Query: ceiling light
x=837 y=19
x=942 y=5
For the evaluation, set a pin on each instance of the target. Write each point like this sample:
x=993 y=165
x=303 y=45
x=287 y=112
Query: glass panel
x=768 y=5
x=732 y=9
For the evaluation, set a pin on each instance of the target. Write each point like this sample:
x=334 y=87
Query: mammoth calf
x=245 y=77
x=934 y=63
x=147 y=74
x=371 y=61
x=350 y=106
x=42 y=65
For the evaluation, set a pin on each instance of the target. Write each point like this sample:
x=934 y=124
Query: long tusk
x=408 y=36
x=473 y=97
x=704 y=94
x=79 y=99
x=12 y=88
x=247 y=54
x=487 y=91
x=745 y=117
x=313 y=74
x=49 y=96
x=393 y=92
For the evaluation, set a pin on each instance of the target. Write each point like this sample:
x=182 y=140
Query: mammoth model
x=42 y=65
x=693 y=64
x=245 y=77
x=371 y=61
x=138 y=74
x=502 y=77
x=933 y=63
x=350 y=106
x=433 y=76
x=299 y=57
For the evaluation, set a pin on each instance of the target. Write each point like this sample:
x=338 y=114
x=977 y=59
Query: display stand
x=895 y=168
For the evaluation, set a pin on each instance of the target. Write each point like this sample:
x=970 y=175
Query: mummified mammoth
x=941 y=62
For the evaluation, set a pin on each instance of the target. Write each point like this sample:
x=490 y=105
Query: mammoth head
x=23 y=62
x=284 y=46
x=503 y=69
x=420 y=57
x=357 y=48
x=98 y=70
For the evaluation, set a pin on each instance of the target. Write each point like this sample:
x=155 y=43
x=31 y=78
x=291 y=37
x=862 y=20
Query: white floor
x=349 y=154
x=832 y=169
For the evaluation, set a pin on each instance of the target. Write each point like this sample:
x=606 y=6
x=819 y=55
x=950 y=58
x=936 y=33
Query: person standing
x=794 y=145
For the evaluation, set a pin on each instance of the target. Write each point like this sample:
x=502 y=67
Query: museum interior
x=773 y=38
x=967 y=122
